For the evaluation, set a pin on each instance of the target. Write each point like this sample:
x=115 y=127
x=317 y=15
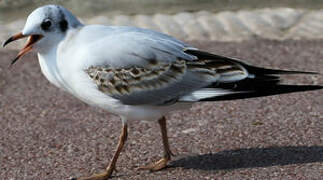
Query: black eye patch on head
x=63 y=25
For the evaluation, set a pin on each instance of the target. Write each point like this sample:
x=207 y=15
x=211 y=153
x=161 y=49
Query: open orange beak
x=32 y=39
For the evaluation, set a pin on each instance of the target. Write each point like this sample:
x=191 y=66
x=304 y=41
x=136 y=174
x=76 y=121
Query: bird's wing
x=144 y=67
x=161 y=83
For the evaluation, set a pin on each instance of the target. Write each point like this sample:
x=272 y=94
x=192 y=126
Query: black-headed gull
x=136 y=73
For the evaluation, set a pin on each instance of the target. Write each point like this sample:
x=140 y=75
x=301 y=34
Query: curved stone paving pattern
x=279 y=23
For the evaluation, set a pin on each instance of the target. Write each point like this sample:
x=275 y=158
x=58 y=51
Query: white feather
x=206 y=93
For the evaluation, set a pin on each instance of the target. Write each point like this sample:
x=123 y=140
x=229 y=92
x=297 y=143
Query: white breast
x=48 y=67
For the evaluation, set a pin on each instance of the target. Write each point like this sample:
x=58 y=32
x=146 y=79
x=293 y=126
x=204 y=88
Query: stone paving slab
x=278 y=24
x=48 y=134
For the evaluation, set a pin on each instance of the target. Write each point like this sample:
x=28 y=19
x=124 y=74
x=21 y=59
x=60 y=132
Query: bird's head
x=45 y=27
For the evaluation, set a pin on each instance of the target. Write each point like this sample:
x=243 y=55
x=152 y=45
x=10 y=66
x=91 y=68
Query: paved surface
x=16 y=8
x=47 y=134
x=276 y=23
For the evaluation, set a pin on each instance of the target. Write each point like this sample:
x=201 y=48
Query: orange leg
x=162 y=163
x=107 y=173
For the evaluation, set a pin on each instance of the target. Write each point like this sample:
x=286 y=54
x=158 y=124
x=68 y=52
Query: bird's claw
x=156 y=166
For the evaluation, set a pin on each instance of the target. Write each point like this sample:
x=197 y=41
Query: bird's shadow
x=250 y=158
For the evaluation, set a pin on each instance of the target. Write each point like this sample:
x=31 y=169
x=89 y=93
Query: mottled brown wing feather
x=160 y=82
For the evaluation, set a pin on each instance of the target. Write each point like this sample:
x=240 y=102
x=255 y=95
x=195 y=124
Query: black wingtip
x=258 y=70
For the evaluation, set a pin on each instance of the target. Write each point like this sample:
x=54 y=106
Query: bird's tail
x=250 y=88
x=260 y=82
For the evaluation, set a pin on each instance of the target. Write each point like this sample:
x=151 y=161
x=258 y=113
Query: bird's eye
x=46 y=25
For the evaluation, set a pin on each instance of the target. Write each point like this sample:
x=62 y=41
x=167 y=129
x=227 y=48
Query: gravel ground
x=48 y=134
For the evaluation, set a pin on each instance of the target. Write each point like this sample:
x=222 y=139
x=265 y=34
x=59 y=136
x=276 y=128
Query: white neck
x=48 y=60
x=48 y=65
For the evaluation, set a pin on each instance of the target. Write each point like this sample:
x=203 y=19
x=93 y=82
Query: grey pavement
x=48 y=134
